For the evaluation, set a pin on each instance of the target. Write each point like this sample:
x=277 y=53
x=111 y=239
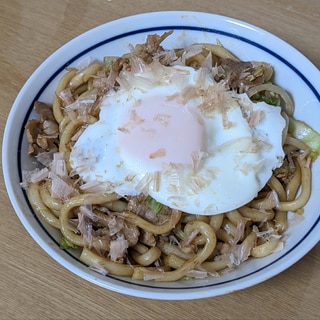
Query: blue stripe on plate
x=149 y=30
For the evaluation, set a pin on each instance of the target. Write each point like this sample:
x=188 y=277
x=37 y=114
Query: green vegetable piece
x=257 y=73
x=268 y=97
x=66 y=244
x=179 y=234
x=300 y=130
x=272 y=100
x=154 y=205
x=108 y=61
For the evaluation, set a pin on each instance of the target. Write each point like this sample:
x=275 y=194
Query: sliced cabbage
x=300 y=130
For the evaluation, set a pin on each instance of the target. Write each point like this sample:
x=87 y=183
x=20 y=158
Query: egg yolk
x=159 y=130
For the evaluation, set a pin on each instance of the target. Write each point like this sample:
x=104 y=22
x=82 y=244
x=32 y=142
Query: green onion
x=179 y=233
x=273 y=100
x=267 y=97
x=64 y=244
x=154 y=205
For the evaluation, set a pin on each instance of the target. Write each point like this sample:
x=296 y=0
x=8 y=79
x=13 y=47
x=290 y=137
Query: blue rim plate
x=245 y=41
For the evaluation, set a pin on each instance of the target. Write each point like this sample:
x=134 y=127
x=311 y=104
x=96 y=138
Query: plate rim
x=22 y=217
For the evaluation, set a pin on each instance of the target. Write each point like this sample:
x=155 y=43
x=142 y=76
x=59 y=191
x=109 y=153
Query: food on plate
x=164 y=164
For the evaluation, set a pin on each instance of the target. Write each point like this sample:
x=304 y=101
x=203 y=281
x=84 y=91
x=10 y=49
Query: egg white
x=175 y=134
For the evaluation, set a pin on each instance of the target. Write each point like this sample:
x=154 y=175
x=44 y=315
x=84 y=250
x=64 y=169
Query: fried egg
x=175 y=134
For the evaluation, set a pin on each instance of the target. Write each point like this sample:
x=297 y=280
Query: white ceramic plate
x=293 y=72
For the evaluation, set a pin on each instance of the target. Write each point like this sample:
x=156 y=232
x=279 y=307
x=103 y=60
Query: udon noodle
x=126 y=236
